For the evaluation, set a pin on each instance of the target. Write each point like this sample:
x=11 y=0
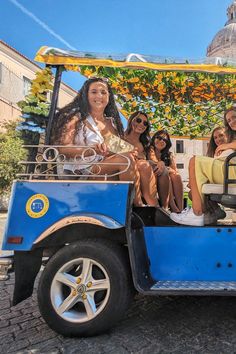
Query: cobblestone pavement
x=152 y=325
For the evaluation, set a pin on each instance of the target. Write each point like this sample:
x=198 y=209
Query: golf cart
x=93 y=247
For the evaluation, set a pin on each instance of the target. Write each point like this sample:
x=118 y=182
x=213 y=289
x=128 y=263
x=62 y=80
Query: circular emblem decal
x=37 y=205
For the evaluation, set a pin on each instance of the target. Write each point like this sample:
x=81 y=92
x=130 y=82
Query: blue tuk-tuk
x=93 y=247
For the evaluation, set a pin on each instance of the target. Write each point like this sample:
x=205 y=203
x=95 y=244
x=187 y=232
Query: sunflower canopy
x=187 y=98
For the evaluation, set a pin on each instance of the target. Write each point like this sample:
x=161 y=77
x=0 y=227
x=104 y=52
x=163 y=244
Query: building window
x=179 y=146
x=180 y=166
x=26 y=85
x=0 y=73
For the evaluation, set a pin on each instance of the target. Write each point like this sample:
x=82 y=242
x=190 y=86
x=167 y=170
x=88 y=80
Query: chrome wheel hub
x=80 y=290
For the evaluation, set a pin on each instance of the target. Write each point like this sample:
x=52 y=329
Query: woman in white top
x=84 y=122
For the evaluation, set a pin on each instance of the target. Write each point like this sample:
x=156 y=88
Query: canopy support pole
x=55 y=94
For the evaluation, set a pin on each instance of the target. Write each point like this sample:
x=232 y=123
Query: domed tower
x=224 y=42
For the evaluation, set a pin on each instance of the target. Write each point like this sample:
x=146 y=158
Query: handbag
x=117 y=145
x=114 y=143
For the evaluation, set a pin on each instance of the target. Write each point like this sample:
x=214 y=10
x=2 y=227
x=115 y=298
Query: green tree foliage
x=11 y=153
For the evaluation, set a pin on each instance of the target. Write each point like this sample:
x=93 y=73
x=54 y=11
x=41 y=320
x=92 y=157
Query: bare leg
x=163 y=186
x=172 y=202
x=178 y=190
x=114 y=164
x=190 y=194
x=147 y=182
x=197 y=204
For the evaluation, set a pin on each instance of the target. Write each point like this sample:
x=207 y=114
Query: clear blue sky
x=175 y=28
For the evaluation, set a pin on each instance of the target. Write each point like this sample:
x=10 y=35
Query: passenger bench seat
x=215 y=193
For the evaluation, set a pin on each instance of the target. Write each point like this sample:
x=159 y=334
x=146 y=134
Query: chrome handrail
x=49 y=163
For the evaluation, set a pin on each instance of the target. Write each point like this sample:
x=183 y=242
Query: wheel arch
x=65 y=231
x=86 y=225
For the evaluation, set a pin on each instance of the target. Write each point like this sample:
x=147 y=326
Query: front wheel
x=85 y=288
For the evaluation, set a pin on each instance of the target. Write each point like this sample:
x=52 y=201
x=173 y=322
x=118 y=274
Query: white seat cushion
x=216 y=189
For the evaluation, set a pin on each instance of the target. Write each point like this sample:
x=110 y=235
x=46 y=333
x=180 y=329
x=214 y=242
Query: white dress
x=93 y=137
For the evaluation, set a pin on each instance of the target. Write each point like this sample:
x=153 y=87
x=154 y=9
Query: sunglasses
x=161 y=139
x=139 y=120
x=104 y=79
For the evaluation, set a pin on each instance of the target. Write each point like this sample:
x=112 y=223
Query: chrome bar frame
x=49 y=159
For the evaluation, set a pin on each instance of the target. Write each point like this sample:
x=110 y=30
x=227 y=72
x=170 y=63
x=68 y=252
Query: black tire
x=109 y=264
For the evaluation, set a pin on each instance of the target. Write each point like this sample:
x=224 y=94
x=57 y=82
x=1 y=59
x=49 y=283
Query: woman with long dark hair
x=161 y=145
x=85 y=122
x=204 y=169
x=80 y=107
x=217 y=138
x=137 y=134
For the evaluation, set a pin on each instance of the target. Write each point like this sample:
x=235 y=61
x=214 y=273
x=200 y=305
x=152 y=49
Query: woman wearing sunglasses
x=137 y=134
x=85 y=122
x=171 y=190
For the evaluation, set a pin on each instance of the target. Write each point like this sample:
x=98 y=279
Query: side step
x=187 y=287
x=5 y=266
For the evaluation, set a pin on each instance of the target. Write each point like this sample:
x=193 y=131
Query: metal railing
x=47 y=162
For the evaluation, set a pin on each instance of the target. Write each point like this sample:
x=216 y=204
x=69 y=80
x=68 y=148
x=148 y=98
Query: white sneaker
x=187 y=217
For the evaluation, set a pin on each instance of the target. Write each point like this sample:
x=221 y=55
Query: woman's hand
x=222 y=148
x=159 y=168
x=171 y=170
x=101 y=149
x=135 y=153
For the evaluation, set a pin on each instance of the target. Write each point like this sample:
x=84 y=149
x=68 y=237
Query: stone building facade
x=224 y=42
x=16 y=74
x=184 y=149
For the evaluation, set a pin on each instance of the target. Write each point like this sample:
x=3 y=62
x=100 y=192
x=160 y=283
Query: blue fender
x=38 y=207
